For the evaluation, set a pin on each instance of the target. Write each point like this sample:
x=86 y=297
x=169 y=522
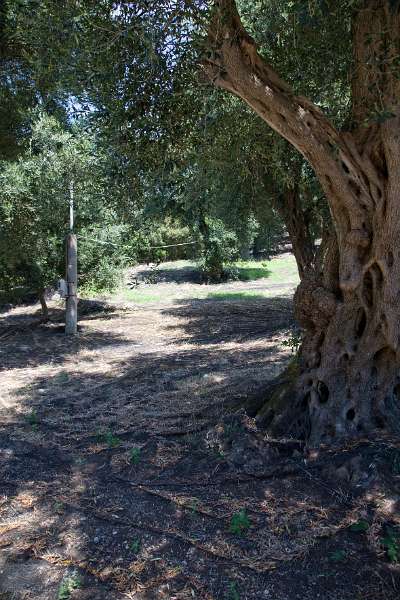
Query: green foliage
x=61 y=378
x=251 y=270
x=391 y=543
x=293 y=341
x=396 y=462
x=33 y=420
x=157 y=230
x=112 y=440
x=338 y=556
x=180 y=153
x=103 y=255
x=220 y=248
x=194 y=505
x=59 y=507
x=109 y=438
x=135 y=455
x=240 y=523
x=34 y=211
x=67 y=586
x=235 y=296
x=360 y=526
x=135 y=545
x=233 y=592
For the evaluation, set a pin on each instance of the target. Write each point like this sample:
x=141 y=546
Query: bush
x=220 y=250
x=165 y=233
x=34 y=213
x=102 y=257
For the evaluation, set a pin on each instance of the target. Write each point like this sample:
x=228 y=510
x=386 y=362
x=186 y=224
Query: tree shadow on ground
x=161 y=525
x=146 y=507
x=192 y=274
x=238 y=320
x=160 y=274
x=30 y=316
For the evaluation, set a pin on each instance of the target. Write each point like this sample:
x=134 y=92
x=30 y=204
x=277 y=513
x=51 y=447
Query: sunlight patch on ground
x=179 y=280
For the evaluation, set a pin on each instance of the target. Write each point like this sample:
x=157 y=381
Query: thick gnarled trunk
x=349 y=378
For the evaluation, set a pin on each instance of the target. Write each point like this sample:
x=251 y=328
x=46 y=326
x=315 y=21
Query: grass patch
x=278 y=270
x=140 y=297
x=252 y=270
x=235 y=296
x=283 y=269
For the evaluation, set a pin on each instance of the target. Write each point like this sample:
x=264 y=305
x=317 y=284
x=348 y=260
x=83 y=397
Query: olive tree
x=349 y=304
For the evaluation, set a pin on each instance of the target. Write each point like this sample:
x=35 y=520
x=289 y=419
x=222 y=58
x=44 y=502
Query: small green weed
x=396 y=463
x=68 y=585
x=32 y=420
x=216 y=453
x=233 y=592
x=108 y=438
x=391 y=543
x=293 y=341
x=231 y=430
x=135 y=545
x=112 y=440
x=59 y=507
x=338 y=556
x=360 y=526
x=134 y=455
x=194 y=505
x=61 y=378
x=240 y=523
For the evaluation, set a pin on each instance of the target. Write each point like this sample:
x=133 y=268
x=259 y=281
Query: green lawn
x=140 y=296
x=280 y=270
x=275 y=270
x=251 y=270
x=235 y=296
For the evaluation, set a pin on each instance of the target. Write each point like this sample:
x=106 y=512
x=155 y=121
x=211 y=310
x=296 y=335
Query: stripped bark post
x=71 y=313
x=43 y=303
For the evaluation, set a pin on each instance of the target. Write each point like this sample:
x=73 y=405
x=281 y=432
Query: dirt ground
x=124 y=472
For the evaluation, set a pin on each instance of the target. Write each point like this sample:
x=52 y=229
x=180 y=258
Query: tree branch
x=234 y=64
x=288 y=205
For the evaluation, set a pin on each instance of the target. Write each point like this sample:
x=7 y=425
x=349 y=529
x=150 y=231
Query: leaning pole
x=71 y=307
x=71 y=312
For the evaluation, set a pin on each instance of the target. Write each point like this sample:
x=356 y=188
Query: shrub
x=220 y=250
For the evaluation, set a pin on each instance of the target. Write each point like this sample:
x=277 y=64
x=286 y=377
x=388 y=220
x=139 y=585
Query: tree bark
x=288 y=205
x=349 y=369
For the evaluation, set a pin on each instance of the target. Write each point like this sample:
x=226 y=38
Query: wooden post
x=71 y=313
